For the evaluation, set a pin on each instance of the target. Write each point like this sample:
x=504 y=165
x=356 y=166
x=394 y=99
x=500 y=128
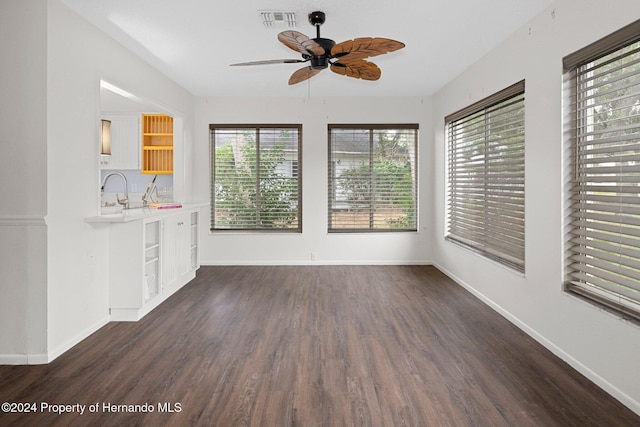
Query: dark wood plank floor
x=313 y=346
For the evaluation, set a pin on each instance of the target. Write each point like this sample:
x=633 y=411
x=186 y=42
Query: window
x=255 y=177
x=486 y=177
x=603 y=256
x=372 y=178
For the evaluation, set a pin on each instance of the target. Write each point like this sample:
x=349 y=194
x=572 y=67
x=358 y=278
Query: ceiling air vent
x=277 y=18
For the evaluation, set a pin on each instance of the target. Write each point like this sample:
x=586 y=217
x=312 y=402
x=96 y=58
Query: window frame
x=297 y=168
x=490 y=236
x=331 y=179
x=588 y=259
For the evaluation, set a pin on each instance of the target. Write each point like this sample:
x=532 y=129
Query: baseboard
x=13 y=359
x=67 y=345
x=312 y=262
x=574 y=363
x=24 y=359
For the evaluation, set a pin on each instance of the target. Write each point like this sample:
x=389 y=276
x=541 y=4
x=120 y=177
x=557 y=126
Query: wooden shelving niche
x=157 y=144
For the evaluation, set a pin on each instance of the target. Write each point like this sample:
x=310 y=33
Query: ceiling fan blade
x=269 y=61
x=359 y=69
x=364 y=47
x=300 y=43
x=302 y=74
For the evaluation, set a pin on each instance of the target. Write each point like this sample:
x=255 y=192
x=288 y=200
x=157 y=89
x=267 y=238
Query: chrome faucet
x=125 y=201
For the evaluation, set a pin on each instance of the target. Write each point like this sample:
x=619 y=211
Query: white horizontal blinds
x=235 y=179
x=604 y=245
x=372 y=178
x=486 y=177
x=255 y=178
x=278 y=200
x=350 y=179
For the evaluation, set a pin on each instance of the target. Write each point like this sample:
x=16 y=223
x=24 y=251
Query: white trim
x=75 y=339
x=310 y=262
x=618 y=394
x=24 y=359
x=135 y=314
x=67 y=345
x=14 y=359
x=22 y=221
x=37 y=359
x=42 y=359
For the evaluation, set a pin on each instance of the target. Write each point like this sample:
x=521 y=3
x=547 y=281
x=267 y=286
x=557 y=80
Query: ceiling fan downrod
x=320 y=62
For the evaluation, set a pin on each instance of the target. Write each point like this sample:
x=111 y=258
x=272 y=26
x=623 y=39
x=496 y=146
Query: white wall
x=79 y=56
x=598 y=344
x=54 y=265
x=314 y=114
x=23 y=188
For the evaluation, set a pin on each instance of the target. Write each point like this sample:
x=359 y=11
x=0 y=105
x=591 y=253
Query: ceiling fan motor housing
x=319 y=62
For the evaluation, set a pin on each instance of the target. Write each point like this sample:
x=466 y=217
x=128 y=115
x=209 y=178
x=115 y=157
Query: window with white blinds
x=256 y=177
x=486 y=177
x=603 y=262
x=372 y=178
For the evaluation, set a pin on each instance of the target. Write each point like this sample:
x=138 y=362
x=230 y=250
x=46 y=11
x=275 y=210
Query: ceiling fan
x=346 y=58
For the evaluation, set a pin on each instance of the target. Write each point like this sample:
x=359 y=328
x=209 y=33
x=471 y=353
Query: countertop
x=139 y=214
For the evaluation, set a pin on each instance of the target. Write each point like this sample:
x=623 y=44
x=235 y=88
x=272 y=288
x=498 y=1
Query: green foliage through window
x=372 y=178
x=255 y=178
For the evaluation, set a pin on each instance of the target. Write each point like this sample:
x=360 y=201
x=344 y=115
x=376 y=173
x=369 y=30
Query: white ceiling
x=194 y=41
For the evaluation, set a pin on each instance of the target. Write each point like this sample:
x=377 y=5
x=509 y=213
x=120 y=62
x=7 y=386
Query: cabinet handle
x=181 y=223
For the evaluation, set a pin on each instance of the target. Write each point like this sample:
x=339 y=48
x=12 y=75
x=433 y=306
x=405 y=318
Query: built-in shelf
x=157 y=144
x=151 y=283
x=193 y=240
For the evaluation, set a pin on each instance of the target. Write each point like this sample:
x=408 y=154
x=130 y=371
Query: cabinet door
x=125 y=143
x=176 y=250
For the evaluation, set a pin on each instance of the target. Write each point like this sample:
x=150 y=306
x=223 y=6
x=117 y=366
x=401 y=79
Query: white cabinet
x=180 y=260
x=150 y=259
x=125 y=143
x=134 y=268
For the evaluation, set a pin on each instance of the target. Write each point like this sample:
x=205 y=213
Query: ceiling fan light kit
x=346 y=58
